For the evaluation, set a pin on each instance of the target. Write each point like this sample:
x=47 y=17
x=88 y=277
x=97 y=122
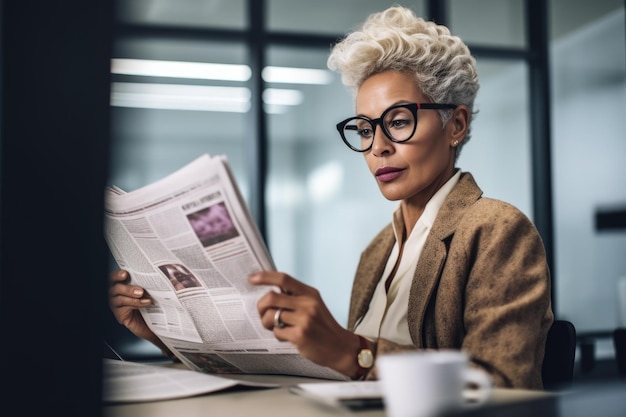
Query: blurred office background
x=548 y=137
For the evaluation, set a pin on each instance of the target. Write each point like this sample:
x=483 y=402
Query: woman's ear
x=458 y=123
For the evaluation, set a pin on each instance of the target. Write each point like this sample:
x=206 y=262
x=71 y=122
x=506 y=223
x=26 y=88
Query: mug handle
x=482 y=392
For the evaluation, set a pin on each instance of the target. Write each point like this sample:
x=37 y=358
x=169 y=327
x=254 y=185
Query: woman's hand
x=125 y=301
x=308 y=324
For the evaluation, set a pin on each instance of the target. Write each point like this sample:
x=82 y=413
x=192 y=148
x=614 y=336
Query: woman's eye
x=365 y=133
x=399 y=123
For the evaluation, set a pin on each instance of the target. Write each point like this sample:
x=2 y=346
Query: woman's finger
x=273 y=300
x=286 y=283
x=119 y=276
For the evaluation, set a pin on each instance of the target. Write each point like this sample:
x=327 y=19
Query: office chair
x=619 y=342
x=558 y=362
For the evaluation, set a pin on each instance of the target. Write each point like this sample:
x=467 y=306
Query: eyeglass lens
x=397 y=123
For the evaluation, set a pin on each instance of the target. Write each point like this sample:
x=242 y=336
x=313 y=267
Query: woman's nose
x=381 y=144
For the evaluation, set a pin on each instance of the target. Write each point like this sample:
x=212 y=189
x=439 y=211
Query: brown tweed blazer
x=482 y=284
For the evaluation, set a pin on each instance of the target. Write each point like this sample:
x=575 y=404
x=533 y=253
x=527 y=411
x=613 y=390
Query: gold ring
x=277 y=322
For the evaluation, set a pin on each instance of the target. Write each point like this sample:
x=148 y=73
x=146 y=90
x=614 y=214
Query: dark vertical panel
x=257 y=146
x=539 y=73
x=437 y=11
x=54 y=158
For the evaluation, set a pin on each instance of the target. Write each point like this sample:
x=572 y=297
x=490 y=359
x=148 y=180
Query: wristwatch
x=365 y=359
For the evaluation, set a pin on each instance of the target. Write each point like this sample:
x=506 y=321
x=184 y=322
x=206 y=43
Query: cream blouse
x=387 y=314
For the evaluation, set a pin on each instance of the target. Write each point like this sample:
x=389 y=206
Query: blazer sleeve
x=507 y=311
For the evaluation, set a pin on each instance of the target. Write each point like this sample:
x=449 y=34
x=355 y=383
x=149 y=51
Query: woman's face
x=413 y=170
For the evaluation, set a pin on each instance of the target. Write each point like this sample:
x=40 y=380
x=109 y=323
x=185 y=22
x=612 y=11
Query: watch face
x=366 y=358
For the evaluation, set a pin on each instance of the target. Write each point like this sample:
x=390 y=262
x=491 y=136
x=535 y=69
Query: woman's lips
x=387 y=174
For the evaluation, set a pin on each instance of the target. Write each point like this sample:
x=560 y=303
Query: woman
x=452 y=270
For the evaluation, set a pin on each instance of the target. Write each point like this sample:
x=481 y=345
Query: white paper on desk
x=349 y=394
x=126 y=381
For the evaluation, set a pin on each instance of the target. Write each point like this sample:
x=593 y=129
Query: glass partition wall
x=320 y=205
x=162 y=120
x=590 y=191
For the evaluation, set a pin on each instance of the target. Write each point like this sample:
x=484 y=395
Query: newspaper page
x=190 y=241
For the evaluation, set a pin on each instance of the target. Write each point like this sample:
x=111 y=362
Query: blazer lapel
x=430 y=265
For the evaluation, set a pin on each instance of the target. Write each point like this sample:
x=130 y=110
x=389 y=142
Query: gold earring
x=455 y=143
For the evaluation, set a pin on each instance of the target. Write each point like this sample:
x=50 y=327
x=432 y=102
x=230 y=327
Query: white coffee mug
x=430 y=383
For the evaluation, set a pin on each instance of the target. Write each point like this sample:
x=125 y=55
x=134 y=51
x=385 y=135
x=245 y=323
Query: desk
x=602 y=399
x=272 y=402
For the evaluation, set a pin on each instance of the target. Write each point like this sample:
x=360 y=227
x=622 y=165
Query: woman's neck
x=413 y=208
x=410 y=216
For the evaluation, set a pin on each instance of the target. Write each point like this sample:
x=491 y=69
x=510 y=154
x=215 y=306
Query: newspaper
x=190 y=241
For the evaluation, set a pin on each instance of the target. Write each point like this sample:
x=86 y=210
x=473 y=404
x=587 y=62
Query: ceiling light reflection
x=199 y=97
x=180 y=97
x=283 y=97
x=289 y=75
x=179 y=69
x=211 y=71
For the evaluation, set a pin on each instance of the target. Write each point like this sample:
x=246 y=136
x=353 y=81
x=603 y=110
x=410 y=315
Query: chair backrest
x=558 y=362
x=619 y=342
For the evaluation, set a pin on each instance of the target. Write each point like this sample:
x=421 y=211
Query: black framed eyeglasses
x=398 y=122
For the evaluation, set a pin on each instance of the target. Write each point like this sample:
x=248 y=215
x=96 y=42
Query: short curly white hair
x=397 y=40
